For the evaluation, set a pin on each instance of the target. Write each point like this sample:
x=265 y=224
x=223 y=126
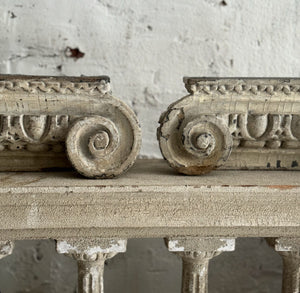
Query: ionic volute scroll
x=55 y=122
x=233 y=123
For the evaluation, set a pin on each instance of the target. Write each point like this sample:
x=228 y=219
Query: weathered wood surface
x=196 y=254
x=150 y=200
x=241 y=123
x=45 y=119
x=91 y=255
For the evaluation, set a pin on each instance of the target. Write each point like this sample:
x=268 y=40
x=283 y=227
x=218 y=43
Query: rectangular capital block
x=201 y=244
x=91 y=246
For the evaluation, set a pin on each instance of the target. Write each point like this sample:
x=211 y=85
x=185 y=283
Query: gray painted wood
x=150 y=201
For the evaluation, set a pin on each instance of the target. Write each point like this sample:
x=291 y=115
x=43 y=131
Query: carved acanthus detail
x=91 y=255
x=196 y=254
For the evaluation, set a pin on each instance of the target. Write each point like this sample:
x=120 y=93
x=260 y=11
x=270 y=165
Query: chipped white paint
x=280 y=247
x=180 y=244
x=115 y=246
x=33 y=213
x=91 y=255
x=202 y=272
x=6 y=248
x=287 y=244
x=229 y=245
x=173 y=246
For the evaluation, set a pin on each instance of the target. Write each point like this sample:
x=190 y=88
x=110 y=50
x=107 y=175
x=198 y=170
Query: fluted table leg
x=91 y=255
x=289 y=250
x=6 y=248
x=196 y=254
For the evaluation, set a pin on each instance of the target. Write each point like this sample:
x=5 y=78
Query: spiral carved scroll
x=104 y=146
x=193 y=144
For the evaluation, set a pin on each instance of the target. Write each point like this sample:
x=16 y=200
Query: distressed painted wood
x=54 y=122
x=240 y=123
x=289 y=250
x=196 y=254
x=91 y=255
x=150 y=200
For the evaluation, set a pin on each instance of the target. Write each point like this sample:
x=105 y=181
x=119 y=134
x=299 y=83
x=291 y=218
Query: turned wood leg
x=196 y=254
x=289 y=250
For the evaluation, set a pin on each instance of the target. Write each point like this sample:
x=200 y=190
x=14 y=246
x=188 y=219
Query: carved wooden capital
x=6 y=248
x=195 y=254
x=91 y=255
x=241 y=123
x=43 y=118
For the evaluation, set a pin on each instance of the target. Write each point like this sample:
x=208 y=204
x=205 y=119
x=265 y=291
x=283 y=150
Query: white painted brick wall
x=146 y=47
